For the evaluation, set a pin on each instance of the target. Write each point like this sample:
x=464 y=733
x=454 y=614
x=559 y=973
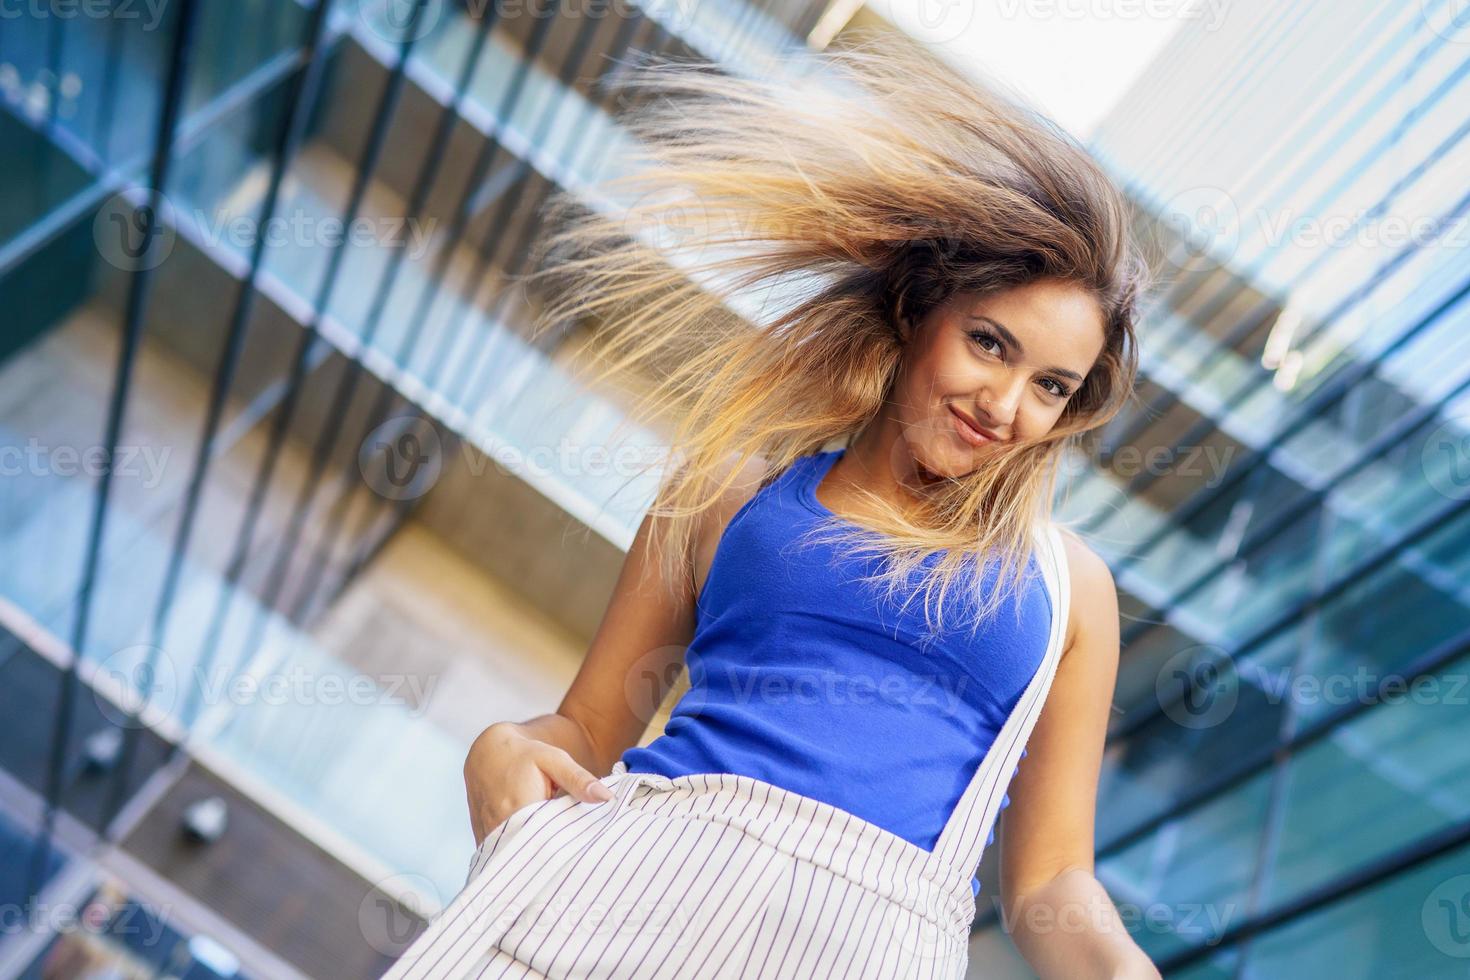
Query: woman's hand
x=506 y=770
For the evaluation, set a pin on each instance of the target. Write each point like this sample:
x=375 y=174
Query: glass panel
x=1189 y=879
x=1155 y=769
x=1416 y=924
x=1395 y=774
x=1394 y=616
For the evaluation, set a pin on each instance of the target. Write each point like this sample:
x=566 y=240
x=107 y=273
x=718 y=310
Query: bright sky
x=1071 y=58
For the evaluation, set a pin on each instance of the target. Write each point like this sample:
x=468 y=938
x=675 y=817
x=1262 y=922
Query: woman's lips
x=968 y=432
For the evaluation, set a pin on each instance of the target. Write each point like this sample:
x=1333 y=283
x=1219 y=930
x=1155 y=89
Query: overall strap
x=964 y=837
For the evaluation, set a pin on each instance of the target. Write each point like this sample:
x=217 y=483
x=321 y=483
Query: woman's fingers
x=493 y=793
x=564 y=771
x=490 y=805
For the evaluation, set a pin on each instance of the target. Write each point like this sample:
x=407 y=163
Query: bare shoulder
x=746 y=478
x=1094 y=608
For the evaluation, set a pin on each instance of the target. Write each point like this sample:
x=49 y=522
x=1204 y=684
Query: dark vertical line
x=1250 y=323
x=658 y=42
x=1331 y=394
x=107 y=97
x=402 y=510
x=424 y=185
x=1334 y=390
x=300 y=93
x=509 y=102
x=1219 y=787
x=599 y=93
x=576 y=55
x=300 y=361
x=457 y=386
x=1405 y=859
x=808 y=21
x=180 y=59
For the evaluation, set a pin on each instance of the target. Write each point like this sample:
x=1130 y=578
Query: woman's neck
x=876 y=461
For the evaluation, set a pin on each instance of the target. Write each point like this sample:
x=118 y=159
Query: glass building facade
x=255 y=327
x=244 y=246
x=1286 y=786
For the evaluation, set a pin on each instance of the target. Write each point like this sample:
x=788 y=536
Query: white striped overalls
x=723 y=875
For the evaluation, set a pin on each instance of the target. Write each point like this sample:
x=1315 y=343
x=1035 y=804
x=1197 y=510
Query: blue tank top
x=804 y=678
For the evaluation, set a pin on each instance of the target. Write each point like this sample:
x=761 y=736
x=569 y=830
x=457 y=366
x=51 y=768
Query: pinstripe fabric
x=723 y=875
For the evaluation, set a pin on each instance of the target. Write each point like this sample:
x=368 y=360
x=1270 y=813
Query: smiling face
x=1005 y=363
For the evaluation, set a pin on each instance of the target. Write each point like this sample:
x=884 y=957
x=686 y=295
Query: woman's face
x=1006 y=363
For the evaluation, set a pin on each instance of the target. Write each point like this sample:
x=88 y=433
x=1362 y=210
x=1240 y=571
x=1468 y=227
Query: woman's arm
x=1058 y=914
x=634 y=659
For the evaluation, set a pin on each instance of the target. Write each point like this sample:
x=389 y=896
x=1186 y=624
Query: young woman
x=956 y=294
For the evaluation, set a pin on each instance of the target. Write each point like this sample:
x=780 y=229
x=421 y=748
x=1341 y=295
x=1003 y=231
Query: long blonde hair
x=857 y=188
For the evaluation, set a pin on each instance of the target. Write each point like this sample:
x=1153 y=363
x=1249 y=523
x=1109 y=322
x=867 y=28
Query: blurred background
x=291 y=507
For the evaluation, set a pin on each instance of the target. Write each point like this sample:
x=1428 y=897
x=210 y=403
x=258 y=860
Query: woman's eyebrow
x=1010 y=338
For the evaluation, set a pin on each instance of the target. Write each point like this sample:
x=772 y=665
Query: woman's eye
x=1057 y=388
x=983 y=338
